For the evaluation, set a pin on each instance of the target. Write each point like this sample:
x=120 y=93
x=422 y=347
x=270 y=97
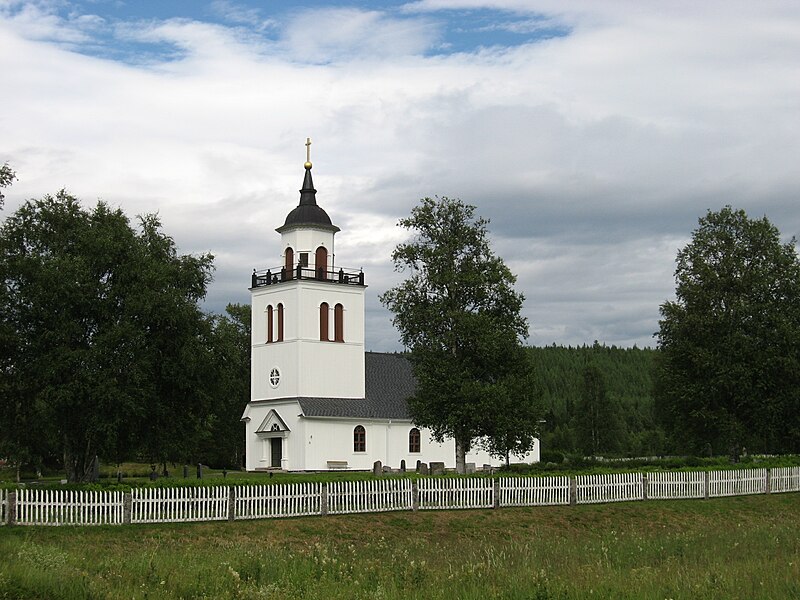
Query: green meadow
x=743 y=547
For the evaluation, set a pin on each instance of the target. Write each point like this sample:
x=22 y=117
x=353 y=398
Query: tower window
x=323 y=322
x=269 y=323
x=288 y=264
x=338 y=323
x=414 y=440
x=304 y=259
x=280 y=322
x=359 y=439
x=321 y=262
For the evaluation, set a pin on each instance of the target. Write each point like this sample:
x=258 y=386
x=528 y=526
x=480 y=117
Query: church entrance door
x=277 y=452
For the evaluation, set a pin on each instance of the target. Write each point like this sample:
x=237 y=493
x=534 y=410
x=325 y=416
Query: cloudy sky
x=592 y=134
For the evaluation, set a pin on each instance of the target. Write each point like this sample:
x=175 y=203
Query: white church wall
x=332 y=440
x=308 y=366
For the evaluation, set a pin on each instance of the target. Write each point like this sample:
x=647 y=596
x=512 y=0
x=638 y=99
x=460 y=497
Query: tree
x=728 y=373
x=517 y=413
x=177 y=345
x=223 y=443
x=459 y=315
x=100 y=327
x=597 y=420
x=7 y=176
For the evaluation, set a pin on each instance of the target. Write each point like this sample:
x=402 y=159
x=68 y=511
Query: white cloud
x=593 y=153
x=335 y=34
x=38 y=21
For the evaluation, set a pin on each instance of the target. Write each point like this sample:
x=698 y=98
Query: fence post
x=231 y=503
x=707 y=485
x=127 y=507
x=645 y=486
x=573 y=490
x=324 y=500
x=769 y=481
x=496 y=492
x=414 y=495
x=11 y=513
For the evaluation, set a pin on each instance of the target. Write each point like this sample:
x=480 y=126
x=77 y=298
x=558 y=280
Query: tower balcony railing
x=279 y=275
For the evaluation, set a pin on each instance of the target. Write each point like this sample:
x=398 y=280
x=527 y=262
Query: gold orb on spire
x=307 y=164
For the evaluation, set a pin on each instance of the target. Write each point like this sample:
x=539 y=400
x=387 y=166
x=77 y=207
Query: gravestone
x=487 y=468
x=96 y=469
x=377 y=468
x=185 y=471
x=437 y=468
x=470 y=468
x=403 y=466
x=199 y=471
x=419 y=462
x=422 y=468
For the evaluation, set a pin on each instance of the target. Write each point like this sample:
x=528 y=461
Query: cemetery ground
x=737 y=547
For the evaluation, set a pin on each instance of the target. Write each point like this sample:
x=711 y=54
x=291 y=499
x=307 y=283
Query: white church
x=318 y=401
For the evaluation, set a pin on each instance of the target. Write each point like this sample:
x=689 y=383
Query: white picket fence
x=369 y=496
x=533 y=491
x=737 y=482
x=785 y=479
x=179 y=504
x=455 y=493
x=678 y=485
x=69 y=507
x=281 y=500
x=591 y=489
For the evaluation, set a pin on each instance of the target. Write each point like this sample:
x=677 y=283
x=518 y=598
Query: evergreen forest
x=597 y=400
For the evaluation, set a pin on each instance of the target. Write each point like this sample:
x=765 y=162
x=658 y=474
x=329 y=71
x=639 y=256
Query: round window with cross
x=274 y=377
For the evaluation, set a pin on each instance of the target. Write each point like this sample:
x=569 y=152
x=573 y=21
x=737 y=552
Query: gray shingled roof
x=389 y=382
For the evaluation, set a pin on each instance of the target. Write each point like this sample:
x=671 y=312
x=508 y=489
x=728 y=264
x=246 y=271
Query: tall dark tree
x=99 y=326
x=729 y=366
x=598 y=425
x=516 y=418
x=223 y=443
x=459 y=315
x=177 y=342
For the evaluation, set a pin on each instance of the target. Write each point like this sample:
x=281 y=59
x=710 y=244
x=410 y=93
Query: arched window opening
x=288 y=264
x=413 y=440
x=269 y=323
x=338 y=323
x=280 y=322
x=359 y=439
x=323 y=322
x=321 y=262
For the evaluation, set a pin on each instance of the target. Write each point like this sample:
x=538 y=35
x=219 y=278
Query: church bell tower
x=307 y=312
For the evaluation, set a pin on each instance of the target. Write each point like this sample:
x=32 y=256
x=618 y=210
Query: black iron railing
x=281 y=274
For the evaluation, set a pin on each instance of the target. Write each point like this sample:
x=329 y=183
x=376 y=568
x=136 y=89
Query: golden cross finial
x=308 y=153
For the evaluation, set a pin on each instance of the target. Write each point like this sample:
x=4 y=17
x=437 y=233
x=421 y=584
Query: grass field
x=745 y=547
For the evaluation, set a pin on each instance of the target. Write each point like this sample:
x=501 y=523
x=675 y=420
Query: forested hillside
x=597 y=400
